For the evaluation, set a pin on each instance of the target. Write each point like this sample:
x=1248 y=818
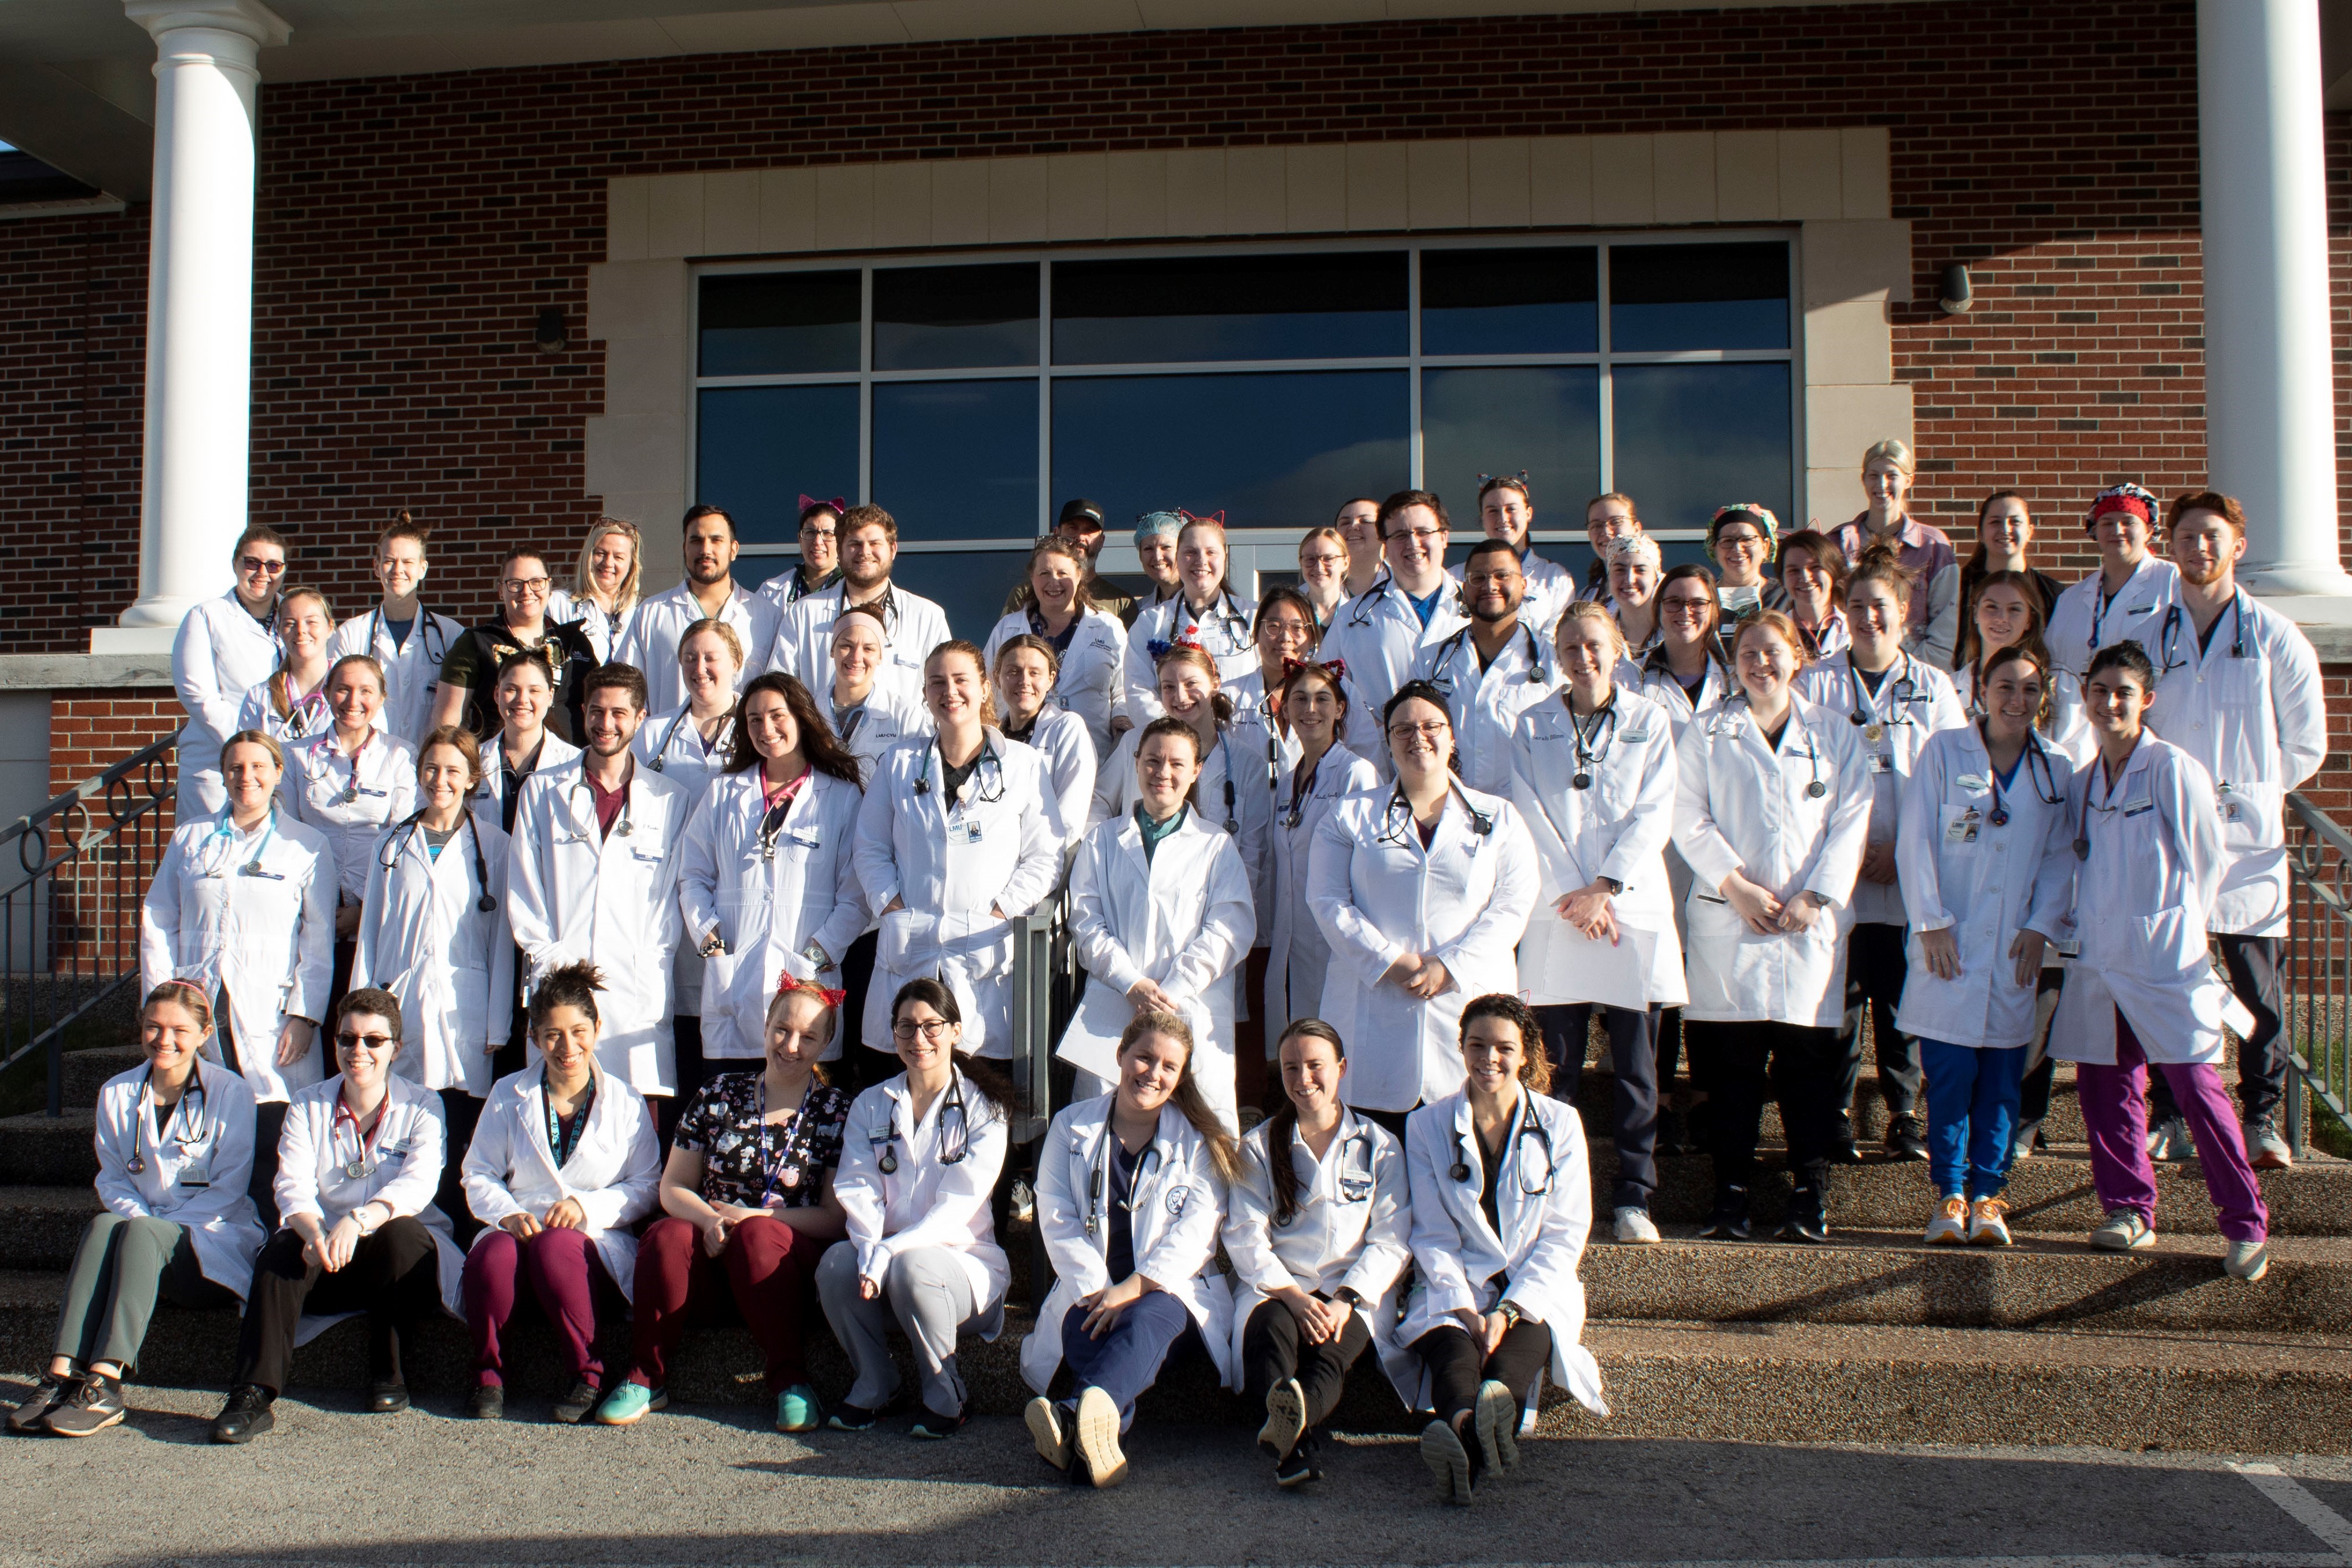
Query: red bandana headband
x=2126 y=497
x=788 y=985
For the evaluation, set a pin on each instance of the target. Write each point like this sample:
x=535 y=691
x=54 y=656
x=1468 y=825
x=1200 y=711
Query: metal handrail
x=2315 y=975
x=70 y=924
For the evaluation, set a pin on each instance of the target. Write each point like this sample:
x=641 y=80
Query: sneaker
x=47 y=1394
x=1286 y=1420
x=1951 y=1221
x=1989 y=1223
x=96 y=1405
x=1844 y=1150
x=1047 y=1431
x=575 y=1406
x=1730 y=1220
x=2264 y=1148
x=2124 y=1230
x=627 y=1404
x=1448 y=1462
x=1809 y=1218
x=848 y=1417
x=1635 y=1228
x=932 y=1424
x=486 y=1403
x=2168 y=1140
x=1906 y=1140
x=245 y=1416
x=388 y=1397
x=798 y=1409
x=1097 y=1438
x=1496 y=1420
x=2020 y=1147
x=2247 y=1260
x=1296 y=1467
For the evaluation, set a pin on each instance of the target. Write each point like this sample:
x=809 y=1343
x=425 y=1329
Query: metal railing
x=70 y=922
x=2316 y=968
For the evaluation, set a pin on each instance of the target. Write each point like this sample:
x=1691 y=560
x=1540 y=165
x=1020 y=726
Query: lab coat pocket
x=908 y=940
x=2173 y=943
x=2250 y=816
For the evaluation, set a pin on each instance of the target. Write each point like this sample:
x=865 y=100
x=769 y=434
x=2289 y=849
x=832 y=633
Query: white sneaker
x=1496 y=1422
x=2248 y=1260
x=1045 y=1430
x=1635 y=1228
x=1951 y=1221
x=1097 y=1438
x=1989 y=1223
x=2122 y=1231
x=2168 y=1140
x=2265 y=1149
x=1448 y=1462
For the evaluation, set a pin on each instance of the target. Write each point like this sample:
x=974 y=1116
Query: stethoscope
x=1148 y=1158
x=1353 y=1188
x=2102 y=603
x=216 y=860
x=1461 y=639
x=1226 y=753
x=2168 y=639
x=1481 y=823
x=196 y=1133
x=772 y=819
x=1604 y=719
x=1226 y=613
x=623 y=828
x=1864 y=713
x=388 y=855
x=726 y=731
x=350 y=794
x=2083 y=824
x=1359 y=608
x=303 y=717
x=887 y=1140
x=426 y=628
x=1816 y=789
x=990 y=767
x=1526 y=1125
x=357 y=1166
x=1300 y=787
x=2044 y=782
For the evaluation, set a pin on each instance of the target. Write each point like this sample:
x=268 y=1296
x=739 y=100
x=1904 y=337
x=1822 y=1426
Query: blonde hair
x=1895 y=452
x=267 y=742
x=584 y=578
x=184 y=994
x=1590 y=610
x=1325 y=532
x=970 y=650
x=1777 y=623
x=719 y=629
x=1187 y=1097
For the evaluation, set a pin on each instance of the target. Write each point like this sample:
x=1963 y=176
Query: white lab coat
x=1093 y=683
x=786 y=588
x=1915 y=700
x=1550 y=590
x=2142 y=899
x=671 y=745
x=1182 y=918
x=1177 y=1207
x=1226 y=791
x=1544 y=1197
x=411 y=670
x=218 y=654
x=2250 y=710
x=403 y=1173
x=614 y=1174
x=1378 y=636
x=1298 y=955
x=890 y=714
x=1654 y=679
x=1740 y=806
x=2084 y=620
x=1984 y=886
x=2069 y=728
x=602 y=631
x=1224 y=630
x=304 y=718
x=912 y=627
x=426 y=938
x=999 y=845
x=1377 y=894
x=1619 y=827
x=268 y=938
x=490 y=800
x=1060 y=738
x=195 y=1176
x=928 y=1200
x=1486 y=704
x=1352 y=1227
x=767 y=904
x=651 y=638
x=572 y=895
x=349 y=800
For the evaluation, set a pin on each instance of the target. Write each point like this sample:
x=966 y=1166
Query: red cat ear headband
x=829 y=997
x=837 y=505
x=1218 y=517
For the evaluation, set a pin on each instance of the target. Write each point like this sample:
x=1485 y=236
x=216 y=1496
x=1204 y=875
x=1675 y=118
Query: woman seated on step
x=563 y=1164
x=919 y=1171
x=174 y=1150
x=1502 y=1202
x=1317 y=1232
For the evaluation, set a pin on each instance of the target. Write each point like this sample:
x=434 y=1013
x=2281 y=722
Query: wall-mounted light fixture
x=551 y=336
x=1954 y=294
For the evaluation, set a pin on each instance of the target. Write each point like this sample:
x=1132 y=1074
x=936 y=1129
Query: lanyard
x=776 y=1175
x=563 y=1141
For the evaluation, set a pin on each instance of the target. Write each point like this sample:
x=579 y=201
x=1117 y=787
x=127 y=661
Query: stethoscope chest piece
x=888 y=1164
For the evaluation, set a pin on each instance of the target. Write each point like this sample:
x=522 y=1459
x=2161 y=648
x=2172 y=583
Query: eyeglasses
x=525 y=584
x=811 y=531
x=1424 y=535
x=374 y=1044
x=933 y=1029
x=1427 y=731
x=255 y=564
x=1696 y=609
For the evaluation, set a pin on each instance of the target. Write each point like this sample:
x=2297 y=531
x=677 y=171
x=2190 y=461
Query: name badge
x=1637 y=737
x=195 y=1175
x=1974 y=783
x=968 y=831
x=2139 y=807
x=1882 y=763
x=2141 y=610
x=1963 y=829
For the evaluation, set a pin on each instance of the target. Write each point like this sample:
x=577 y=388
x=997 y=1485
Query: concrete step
x=40 y=1227
x=1766 y=1382
x=85 y=1072
x=1596 y=1091
x=45 y=1151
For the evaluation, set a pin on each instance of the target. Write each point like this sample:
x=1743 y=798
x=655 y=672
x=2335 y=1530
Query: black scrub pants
x=393 y=1277
x=1801 y=1065
x=2253 y=965
x=1874 y=968
x=1274 y=1351
x=1456 y=1369
x=1634 y=1057
x=461 y=1113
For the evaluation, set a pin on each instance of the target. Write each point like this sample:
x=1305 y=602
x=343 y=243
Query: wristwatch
x=1348 y=1293
x=1612 y=883
x=1510 y=1311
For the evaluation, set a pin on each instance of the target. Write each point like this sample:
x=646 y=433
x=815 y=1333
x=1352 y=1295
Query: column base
x=148 y=640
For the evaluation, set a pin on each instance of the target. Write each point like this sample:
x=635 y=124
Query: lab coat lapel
x=1471 y=1215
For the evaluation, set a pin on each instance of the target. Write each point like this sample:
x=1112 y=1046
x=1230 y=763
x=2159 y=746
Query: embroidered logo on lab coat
x=1177 y=1198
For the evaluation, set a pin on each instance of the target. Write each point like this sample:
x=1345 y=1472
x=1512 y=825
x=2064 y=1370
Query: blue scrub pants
x=1126 y=1360
x=1972 y=1100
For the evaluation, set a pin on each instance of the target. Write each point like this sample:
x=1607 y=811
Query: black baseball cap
x=1080 y=511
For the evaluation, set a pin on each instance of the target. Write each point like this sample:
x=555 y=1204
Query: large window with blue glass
x=971 y=396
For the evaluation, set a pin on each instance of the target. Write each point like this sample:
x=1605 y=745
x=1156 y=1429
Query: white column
x=2270 y=394
x=199 y=306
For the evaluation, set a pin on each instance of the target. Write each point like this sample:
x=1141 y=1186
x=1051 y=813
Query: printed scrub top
x=723 y=1126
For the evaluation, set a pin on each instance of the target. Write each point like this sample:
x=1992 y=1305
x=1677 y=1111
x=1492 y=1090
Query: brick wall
x=411 y=229
x=92 y=731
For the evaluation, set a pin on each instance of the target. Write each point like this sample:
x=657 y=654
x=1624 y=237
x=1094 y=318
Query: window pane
x=955 y=318
x=1276 y=450
x=969 y=585
x=759 y=448
x=1692 y=438
x=1666 y=297
x=1172 y=310
x=958 y=460
x=1510 y=301
x=780 y=323
x=1546 y=420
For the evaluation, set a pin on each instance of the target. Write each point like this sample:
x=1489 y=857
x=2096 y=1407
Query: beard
x=2204 y=576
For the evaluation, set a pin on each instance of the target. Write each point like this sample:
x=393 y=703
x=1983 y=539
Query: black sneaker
x=932 y=1424
x=848 y=1417
x=1296 y=1467
x=31 y=1417
x=388 y=1396
x=96 y=1405
x=1906 y=1140
x=573 y=1407
x=1844 y=1150
x=1729 y=1221
x=1809 y=1218
x=245 y=1416
x=486 y=1403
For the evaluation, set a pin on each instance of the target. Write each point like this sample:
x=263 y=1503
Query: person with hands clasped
x=565 y=1161
x=357 y=1168
x=1771 y=807
x=748 y=1208
x=1131 y=1193
x=919 y=1167
x=1315 y=707
x=174 y=1139
x=1592 y=775
x=1502 y=1203
x=1317 y=1232
x=1987 y=879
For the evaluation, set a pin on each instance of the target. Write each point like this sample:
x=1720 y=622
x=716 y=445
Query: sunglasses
x=252 y=563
